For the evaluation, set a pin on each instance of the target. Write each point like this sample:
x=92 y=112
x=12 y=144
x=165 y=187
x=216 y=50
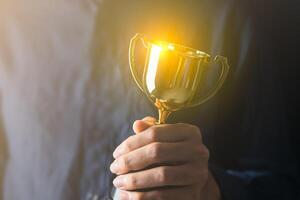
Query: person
x=68 y=100
x=250 y=136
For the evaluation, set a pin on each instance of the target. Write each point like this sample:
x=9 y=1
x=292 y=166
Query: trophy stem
x=163 y=116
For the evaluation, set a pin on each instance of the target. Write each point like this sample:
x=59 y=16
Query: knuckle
x=154 y=151
x=197 y=149
x=132 y=181
x=152 y=135
x=124 y=163
x=164 y=175
x=195 y=131
x=201 y=152
x=194 y=128
x=127 y=145
x=182 y=126
x=205 y=152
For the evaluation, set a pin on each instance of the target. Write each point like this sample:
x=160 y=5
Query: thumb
x=141 y=125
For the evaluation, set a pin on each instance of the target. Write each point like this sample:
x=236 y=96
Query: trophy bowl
x=173 y=76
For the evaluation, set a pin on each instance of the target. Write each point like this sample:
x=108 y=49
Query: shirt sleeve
x=240 y=185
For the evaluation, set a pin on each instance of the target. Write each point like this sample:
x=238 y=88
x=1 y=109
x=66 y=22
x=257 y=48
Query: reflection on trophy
x=174 y=76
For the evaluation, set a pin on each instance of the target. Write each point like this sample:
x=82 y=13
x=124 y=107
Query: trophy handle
x=132 y=64
x=224 y=72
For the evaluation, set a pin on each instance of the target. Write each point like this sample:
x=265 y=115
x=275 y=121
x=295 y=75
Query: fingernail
x=117 y=152
x=124 y=195
x=119 y=181
x=114 y=167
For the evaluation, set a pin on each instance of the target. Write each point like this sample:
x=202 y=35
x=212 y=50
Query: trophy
x=173 y=76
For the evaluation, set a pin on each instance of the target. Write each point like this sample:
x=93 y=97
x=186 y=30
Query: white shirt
x=46 y=67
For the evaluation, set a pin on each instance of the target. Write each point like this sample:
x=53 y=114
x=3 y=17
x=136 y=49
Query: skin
x=166 y=162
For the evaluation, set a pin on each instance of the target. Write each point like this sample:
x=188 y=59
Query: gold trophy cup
x=174 y=76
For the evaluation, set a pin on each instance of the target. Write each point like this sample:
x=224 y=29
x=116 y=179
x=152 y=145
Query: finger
x=163 y=176
x=141 y=125
x=159 y=154
x=150 y=119
x=159 y=133
x=173 y=193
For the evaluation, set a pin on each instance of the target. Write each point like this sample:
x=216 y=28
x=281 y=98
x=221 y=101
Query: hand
x=163 y=162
